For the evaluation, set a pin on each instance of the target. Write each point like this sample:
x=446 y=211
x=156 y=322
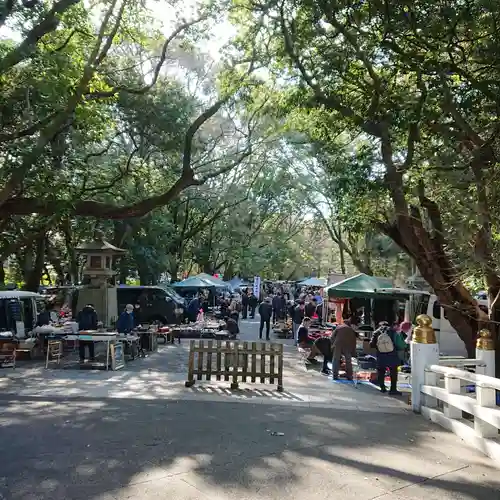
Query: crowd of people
x=389 y=342
x=302 y=307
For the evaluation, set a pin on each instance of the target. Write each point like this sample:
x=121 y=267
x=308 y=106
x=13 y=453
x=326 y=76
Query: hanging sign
x=256 y=286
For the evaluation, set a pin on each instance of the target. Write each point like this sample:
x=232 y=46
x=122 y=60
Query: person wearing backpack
x=384 y=340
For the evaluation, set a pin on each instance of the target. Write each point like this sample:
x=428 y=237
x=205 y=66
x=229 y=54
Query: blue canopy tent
x=218 y=283
x=317 y=282
x=193 y=283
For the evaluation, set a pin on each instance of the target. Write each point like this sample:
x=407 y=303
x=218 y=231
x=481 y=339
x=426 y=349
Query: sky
x=167 y=16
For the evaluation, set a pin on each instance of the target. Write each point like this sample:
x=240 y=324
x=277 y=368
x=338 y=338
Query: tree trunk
x=228 y=272
x=2 y=274
x=208 y=268
x=341 y=250
x=174 y=271
x=461 y=308
x=34 y=275
x=144 y=277
x=74 y=271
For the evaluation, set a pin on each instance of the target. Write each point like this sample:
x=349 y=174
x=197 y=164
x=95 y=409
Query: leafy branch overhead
x=417 y=85
x=85 y=114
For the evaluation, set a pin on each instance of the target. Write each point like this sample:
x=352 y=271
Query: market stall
x=363 y=296
x=114 y=352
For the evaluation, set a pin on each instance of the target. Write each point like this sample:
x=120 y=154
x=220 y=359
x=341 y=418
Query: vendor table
x=133 y=341
x=168 y=333
x=152 y=337
x=114 y=347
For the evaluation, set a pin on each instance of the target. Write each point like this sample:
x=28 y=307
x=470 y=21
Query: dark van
x=157 y=304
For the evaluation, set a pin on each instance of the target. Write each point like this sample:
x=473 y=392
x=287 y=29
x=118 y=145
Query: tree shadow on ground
x=87 y=448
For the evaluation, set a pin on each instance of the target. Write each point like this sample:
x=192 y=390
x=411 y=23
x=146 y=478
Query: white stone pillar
x=485 y=351
x=424 y=351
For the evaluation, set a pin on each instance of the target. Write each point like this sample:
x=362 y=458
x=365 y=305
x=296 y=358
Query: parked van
x=422 y=302
x=18 y=311
x=158 y=302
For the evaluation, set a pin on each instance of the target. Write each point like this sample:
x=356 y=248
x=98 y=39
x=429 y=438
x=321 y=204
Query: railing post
x=486 y=398
x=424 y=351
x=430 y=379
x=453 y=386
x=485 y=351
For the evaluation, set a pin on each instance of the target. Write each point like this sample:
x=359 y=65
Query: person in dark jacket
x=310 y=308
x=252 y=303
x=87 y=320
x=279 y=306
x=265 y=312
x=44 y=317
x=194 y=308
x=297 y=317
x=244 y=304
x=232 y=327
x=386 y=359
x=126 y=320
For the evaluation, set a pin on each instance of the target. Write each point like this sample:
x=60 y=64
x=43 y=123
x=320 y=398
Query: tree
x=84 y=78
x=415 y=82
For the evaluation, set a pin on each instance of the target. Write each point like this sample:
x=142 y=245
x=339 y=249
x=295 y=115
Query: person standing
x=252 y=302
x=265 y=312
x=87 y=320
x=278 y=306
x=126 y=321
x=384 y=340
x=298 y=316
x=234 y=308
x=244 y=304
x=344 y=344
x=310 y=308
x=194 y=308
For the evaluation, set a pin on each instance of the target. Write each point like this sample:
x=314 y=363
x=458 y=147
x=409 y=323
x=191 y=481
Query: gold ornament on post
x=424 y=333
x=485 y=341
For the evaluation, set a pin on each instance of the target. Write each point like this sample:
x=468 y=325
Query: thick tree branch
x=88 y=208
x=330 y=101
x=47 y=24
x=6 y=11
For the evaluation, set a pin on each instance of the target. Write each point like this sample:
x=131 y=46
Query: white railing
x=478 y=364
x=444 y=403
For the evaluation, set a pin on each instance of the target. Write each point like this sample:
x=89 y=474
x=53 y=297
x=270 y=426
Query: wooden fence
x=226 y=360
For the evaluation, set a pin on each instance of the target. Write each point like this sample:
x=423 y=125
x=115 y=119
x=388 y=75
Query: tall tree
x=416 y=82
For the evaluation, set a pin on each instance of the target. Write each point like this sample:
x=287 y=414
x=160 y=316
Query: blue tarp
x=313 y=282
x=193 y=282
x=211 y=279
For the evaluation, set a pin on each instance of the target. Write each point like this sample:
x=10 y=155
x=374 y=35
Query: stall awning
x=193 y=282
x=360 y=286
x=315 y=282
x=211 y=279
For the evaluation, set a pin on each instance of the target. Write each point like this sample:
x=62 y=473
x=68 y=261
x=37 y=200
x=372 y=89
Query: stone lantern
x=98 y=276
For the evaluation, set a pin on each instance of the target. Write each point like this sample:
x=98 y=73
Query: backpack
x=385 y=343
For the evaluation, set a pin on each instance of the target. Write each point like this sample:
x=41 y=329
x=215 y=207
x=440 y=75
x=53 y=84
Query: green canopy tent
x=360 y=286
x=373 y=294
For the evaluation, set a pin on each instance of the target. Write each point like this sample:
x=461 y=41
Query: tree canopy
x=368 y=129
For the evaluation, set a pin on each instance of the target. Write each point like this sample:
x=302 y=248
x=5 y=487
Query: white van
x=18 y=311
x=422 y=302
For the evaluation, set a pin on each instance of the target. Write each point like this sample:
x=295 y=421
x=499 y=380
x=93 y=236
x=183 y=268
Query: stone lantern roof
x=100 y=246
